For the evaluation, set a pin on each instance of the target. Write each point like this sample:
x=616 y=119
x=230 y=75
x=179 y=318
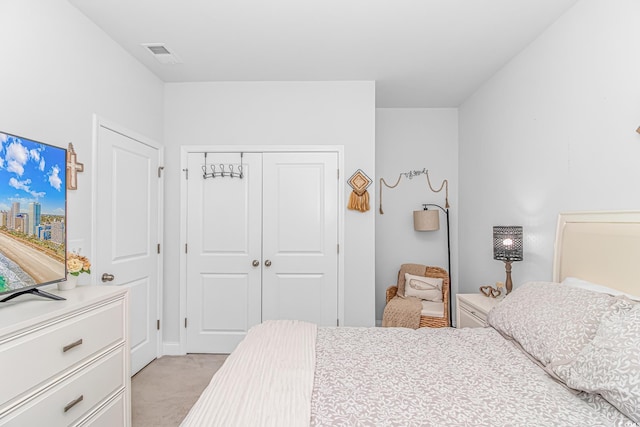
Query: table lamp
x=507 y=247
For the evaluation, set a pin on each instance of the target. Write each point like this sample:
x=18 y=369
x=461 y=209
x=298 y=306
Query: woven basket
x=427 y=321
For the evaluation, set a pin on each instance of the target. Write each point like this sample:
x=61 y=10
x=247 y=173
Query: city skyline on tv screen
x=32 y=213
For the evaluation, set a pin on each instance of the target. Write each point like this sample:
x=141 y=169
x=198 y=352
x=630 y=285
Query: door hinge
x=338 y=247
x=186 y=173
x=185 y=322
x=160 y=171
x=158 y=324
x=186 y=248
x=158 y=247
x=337 y=322
x=338 y=173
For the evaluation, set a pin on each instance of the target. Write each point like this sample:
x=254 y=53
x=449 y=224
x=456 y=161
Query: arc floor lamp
x=429 y=220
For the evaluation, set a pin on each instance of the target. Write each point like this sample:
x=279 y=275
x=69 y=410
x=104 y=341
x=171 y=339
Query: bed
x=559 y=353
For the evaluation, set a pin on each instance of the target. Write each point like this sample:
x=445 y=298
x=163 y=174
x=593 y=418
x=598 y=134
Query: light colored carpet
x=163 y=392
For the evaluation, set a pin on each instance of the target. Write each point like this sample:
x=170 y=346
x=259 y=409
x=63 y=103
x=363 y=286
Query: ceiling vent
x=162 y=53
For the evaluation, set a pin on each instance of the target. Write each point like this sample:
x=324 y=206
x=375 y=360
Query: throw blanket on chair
x=402 y=312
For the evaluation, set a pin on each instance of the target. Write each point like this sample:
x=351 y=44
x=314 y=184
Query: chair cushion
x=425 y=288
x=432 y=309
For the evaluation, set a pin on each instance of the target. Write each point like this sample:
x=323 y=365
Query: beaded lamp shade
x=507 y=243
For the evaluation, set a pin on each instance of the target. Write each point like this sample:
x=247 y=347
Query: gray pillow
x=610 y=364
x=551 y=322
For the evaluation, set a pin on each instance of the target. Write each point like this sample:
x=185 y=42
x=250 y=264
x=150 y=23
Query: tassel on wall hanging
x=359 y=198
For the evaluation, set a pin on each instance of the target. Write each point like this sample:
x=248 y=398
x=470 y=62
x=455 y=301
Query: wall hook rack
x=221 y=170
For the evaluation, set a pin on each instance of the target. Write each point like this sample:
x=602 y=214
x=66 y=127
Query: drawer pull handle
x=70 y=346
x=73 y=403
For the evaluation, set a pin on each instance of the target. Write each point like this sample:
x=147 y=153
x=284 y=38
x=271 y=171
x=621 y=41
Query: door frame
x=185 y=150
x=98 y=122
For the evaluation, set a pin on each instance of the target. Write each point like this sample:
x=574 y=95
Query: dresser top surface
x=28 y=310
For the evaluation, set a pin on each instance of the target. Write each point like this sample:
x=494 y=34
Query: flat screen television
x=33 y=216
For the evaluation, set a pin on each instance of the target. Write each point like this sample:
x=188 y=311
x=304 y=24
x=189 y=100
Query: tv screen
x=33 y=213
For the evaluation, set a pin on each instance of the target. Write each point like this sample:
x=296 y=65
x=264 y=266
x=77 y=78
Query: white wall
x=275 y=113
x=553 y=131
x=410 y=139
x=58 y=69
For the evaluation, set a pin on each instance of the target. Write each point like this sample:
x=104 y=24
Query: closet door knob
x=267 y=263
x=255 y=263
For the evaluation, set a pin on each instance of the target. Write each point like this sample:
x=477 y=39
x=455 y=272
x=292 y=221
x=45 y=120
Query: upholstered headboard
x=600 y=247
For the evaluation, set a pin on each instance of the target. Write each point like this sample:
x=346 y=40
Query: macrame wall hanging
x=359 y=199
x=411 y=175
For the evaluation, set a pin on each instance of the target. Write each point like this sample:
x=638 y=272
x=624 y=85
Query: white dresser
x=66 y=363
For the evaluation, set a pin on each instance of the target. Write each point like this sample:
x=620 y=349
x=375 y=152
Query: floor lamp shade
x=426 y=220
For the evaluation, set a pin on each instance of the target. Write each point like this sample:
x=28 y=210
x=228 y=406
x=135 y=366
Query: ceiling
x=421 y=53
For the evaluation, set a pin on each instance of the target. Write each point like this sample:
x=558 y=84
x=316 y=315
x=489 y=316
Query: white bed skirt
x=266 y=381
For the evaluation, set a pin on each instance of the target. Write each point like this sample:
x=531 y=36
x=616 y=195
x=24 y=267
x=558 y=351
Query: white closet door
x=300 y=237
x=224 y=238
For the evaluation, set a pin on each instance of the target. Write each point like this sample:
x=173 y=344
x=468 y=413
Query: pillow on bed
x=583 y=284
x=426 y=288
x=551 y=322
x=610 y=364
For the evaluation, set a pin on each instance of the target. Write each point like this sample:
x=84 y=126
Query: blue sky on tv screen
x=32 y=172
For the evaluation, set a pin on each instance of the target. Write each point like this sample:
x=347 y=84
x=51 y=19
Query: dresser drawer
x=113 y=414
x=473 y=309
x=46 y=352
x=472 y=312
x=471 y=319
x=72 y=399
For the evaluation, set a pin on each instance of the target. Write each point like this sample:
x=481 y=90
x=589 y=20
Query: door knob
x=255 y=263
x=267 y=263
x=106 y=277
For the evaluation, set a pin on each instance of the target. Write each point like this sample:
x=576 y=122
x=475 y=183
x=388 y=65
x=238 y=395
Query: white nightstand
x=472 y=310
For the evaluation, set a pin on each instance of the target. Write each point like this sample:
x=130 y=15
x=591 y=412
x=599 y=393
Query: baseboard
x=172 y=349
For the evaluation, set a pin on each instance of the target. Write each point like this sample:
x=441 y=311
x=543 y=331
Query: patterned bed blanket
x=287 y=374
x=441 y=377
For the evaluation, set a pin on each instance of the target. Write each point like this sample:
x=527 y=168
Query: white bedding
x=266 y=381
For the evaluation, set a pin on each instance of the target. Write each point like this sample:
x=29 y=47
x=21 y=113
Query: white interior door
x=224 y=242
x=126 y=231
x=300 y=237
